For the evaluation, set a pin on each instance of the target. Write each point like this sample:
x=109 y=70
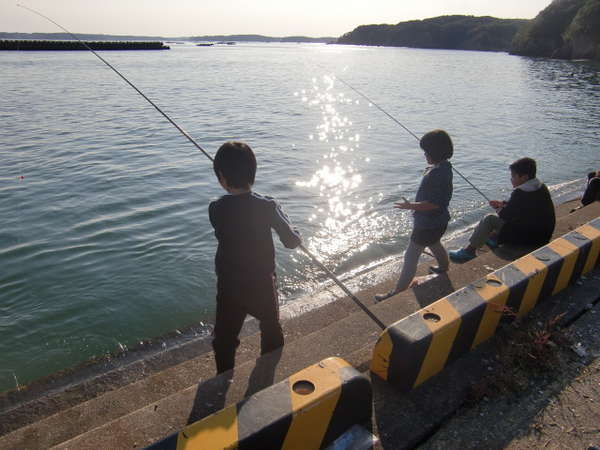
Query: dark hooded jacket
x=528 y=215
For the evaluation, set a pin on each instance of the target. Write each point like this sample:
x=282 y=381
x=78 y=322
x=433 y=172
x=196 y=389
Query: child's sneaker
x=381 y=297
x=461 y=255
x=437 y=270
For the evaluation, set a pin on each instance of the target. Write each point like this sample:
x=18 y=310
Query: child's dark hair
x=438 y=145
x=236 y=162
x=524 y=166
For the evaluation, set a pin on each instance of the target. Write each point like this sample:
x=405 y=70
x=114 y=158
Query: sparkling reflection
x=342 y=217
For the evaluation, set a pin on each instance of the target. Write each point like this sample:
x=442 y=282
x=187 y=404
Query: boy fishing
x=526 y=219
x=430 y=210
x=245 y=258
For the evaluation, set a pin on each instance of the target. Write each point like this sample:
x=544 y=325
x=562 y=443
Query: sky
x=178 y=18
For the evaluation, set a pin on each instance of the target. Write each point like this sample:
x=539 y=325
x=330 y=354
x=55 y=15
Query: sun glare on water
x=341 y=212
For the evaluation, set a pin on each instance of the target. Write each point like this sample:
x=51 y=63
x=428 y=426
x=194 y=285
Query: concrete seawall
x=136 y=405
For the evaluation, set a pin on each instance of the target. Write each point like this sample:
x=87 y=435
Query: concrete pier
x=136 y=404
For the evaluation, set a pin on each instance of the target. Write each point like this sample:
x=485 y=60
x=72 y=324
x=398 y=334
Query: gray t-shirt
x=436 y=187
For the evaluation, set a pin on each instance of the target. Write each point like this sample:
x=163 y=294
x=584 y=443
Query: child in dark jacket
x=430 y=210
x=592 y=190
x=526 y=219
x=245 y=259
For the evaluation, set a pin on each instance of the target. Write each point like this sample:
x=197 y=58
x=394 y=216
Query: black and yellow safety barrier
x=419 y=346
x=309 y=410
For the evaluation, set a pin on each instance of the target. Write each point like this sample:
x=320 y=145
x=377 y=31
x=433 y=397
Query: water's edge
x=192 y=341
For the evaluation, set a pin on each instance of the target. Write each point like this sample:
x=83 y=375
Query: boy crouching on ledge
x=526 y=219
x=245 y=259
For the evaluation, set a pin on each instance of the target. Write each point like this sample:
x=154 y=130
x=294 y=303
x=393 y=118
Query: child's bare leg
x=409 y=269
x=441 y=255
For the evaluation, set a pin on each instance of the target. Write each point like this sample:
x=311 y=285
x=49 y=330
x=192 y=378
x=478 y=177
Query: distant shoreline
x=207 y=38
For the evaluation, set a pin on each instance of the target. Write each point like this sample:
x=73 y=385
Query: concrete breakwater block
x=309 y=410
x=419 y=346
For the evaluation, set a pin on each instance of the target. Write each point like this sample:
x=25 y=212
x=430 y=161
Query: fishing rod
x=186 y=134
x=344 y=288
x=165 y=115
x=410 y=132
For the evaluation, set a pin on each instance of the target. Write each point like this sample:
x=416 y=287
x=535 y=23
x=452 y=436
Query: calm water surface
x=105 y=239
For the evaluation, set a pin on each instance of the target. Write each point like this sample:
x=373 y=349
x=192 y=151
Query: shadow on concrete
x=511 y=253
x=263 y=374
x=465 y=406
x=434 y=289
x=210 y=396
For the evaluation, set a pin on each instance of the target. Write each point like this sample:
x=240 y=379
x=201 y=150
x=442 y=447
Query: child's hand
x=403 y=205
x=496 y=204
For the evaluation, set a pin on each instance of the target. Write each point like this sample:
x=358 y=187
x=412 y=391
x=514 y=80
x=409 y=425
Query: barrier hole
x=493 y=282
x=303 y=387
x=432 y=317
x=580 y=237
x=543 y=258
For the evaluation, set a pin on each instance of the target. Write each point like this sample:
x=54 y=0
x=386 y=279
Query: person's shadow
x=211 y=394
x=434 y=289
x=263 y=374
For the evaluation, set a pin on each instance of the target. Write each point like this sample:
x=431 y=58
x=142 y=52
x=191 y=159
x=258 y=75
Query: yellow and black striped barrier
x=419 y=346
x=309 y=410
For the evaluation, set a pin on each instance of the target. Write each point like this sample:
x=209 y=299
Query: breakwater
x=76 y=45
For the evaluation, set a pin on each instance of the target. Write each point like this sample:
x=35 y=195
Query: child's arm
x=513 y=208
x=212 y=215
x=437 y=189
x=416 y=206
x=497 y=204
x=288 y=235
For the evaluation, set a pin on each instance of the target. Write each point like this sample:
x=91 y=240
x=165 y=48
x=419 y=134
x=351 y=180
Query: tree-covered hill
x=448 y=32
x=565 y=29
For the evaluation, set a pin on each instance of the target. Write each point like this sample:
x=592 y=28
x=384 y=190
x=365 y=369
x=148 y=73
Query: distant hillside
x=216 y=38
x=565 y=29
x=448 y=32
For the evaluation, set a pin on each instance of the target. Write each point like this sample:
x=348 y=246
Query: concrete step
x=75 y=415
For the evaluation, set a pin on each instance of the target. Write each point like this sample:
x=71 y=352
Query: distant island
x=215 y=38
x=444 y=32
x=568 y=29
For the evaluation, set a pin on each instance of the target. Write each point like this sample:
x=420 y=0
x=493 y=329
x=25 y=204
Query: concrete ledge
x=419 y=346
x=136 y=406
x=310 y=409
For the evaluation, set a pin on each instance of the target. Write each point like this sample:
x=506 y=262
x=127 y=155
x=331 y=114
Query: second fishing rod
x=313 y=258
x=407 y=130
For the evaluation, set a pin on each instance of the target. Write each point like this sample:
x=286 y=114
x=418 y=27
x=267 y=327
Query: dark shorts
x=428 y=236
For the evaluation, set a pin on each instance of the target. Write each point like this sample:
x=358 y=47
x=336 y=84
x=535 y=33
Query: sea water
x=105 y=239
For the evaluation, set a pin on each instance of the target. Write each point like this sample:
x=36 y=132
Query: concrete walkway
x=554 y=409
x=133 y=405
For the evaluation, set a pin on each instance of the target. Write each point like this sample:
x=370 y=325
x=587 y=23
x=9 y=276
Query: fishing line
x=182 y=131
x=410 y=132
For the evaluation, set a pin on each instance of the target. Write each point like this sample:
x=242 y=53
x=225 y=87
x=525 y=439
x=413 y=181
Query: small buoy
x=21 y=177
